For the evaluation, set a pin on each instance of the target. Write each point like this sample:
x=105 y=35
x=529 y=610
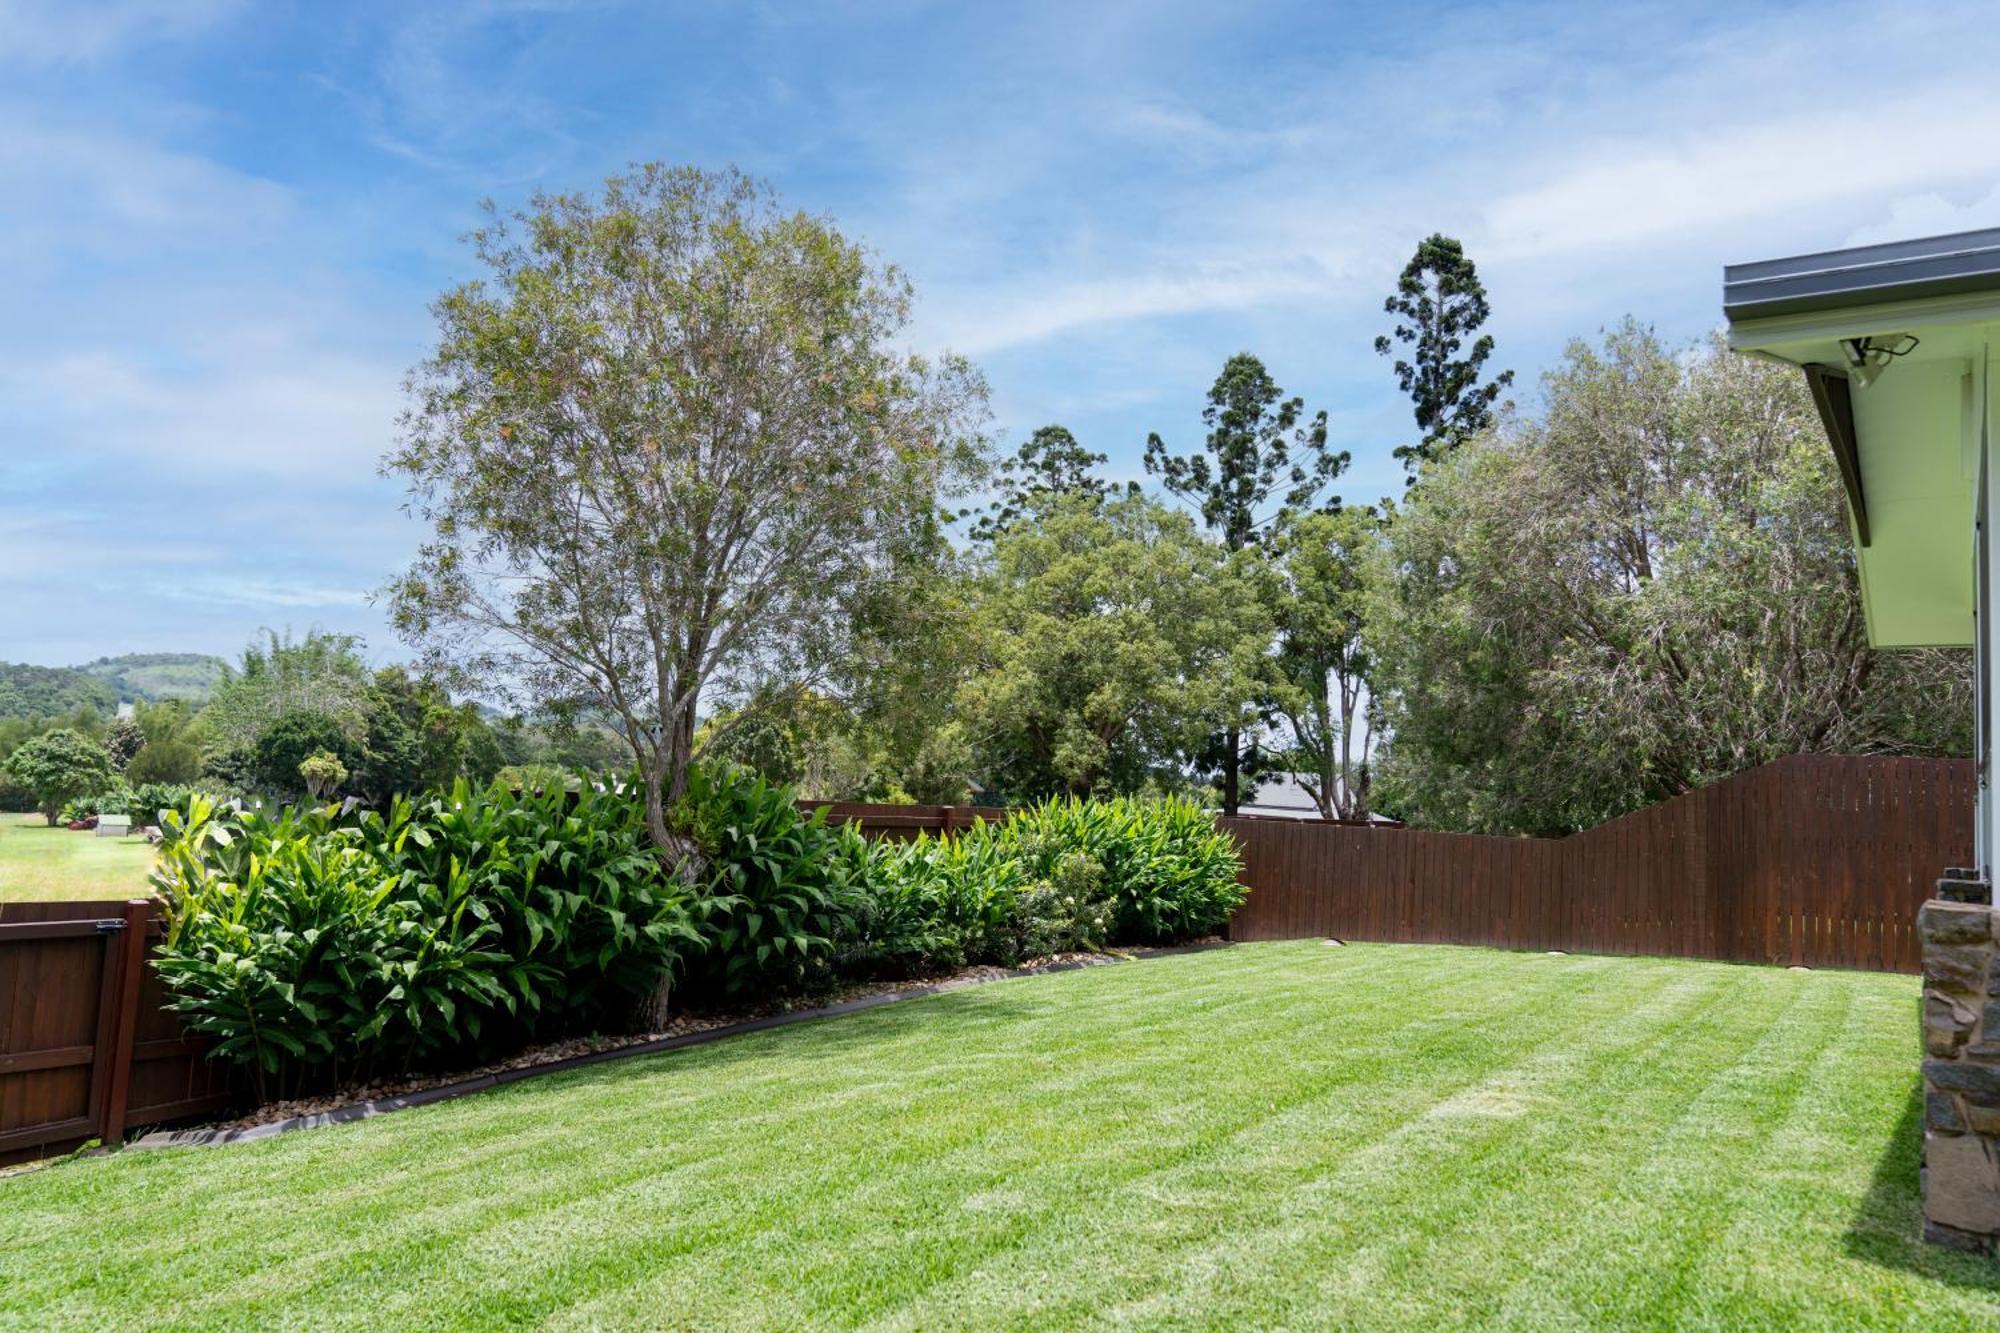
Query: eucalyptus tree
x=1110 y=640
x=1440 y=302
x=1640 y=590
x=1261 y=460
x=1323 y=568
x=668 y=444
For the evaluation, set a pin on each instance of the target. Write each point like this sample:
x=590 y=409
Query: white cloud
x=74 y=190
x=295 y=412
x=1929 y=214
x=62 y=32
x=258 y=593
x=1622 y=192
x=989 y=321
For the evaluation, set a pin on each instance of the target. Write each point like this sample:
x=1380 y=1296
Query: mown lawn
x=1377 y=1136
x=42 y=863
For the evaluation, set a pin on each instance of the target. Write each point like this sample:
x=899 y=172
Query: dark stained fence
x=1814 y=860
x=86 y=1049
x=904 y=822
x=1820 y=861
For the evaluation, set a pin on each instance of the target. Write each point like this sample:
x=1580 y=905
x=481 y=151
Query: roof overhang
x=1894 y=341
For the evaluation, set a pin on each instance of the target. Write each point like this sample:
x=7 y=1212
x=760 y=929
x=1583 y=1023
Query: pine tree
x=1256 y=449
x=1439 y=303
x=1052 y=462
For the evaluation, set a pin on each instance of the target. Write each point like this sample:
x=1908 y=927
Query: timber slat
x=1812 y=861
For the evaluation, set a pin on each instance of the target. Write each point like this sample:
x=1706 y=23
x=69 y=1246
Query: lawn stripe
x=1273 y=1134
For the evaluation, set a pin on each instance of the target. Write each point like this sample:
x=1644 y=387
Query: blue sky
x=222 y=222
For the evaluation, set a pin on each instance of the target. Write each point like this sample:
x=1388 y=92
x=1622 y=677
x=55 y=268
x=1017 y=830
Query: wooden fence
x=85 y=1048
x=1815 y=860
x=903 y=822
x=1820 y=861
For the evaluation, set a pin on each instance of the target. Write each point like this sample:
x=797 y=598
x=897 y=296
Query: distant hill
x=39 y=691
x=156 y=676
x=36 y=691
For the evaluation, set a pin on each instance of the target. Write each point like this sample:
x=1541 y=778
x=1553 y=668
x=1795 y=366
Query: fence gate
x=85 y=1048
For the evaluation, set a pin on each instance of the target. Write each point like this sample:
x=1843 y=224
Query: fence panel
x=903 y=822
x=86 y=1048
x=1814 y=860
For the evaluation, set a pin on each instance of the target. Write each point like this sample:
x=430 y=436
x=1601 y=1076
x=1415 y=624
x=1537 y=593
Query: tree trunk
x=1232 y=764
x=665 y=779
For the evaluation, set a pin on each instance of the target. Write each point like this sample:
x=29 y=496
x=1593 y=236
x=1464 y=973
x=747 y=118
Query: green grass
x=1375 y=1136
x=42 y=863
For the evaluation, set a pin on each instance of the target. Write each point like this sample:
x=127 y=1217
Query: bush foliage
x=328 y=943
x=335 y=942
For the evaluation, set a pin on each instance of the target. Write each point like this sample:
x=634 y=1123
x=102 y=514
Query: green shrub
x=937 y=903
x=783 y=890
x=59 y=766
x=533 y=777
x=115 y=799
x=587 y=919
x=1065 y=911
x=149 y=799
x=296 y=736
x=306 y=959
x=322 y=772
x=327 y=943
x=171 y=761
x=1166 y=870
x=334 y=942
x=14 y=798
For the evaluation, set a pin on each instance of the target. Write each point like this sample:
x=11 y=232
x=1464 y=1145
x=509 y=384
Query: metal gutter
x=1933 y=266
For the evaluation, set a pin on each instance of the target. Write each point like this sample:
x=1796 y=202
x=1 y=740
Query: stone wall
x=1961 y=1178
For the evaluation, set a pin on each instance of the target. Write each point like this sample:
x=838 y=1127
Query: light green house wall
x=1918 y=428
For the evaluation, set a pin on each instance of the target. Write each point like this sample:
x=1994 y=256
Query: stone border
x=444 y=1092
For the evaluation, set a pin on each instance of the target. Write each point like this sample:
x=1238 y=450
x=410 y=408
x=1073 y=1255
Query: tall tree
x=668 y=445
x=1439 y=303
x=319 y=673
x=1050 y=462
x=1323 y=567
x=1112 y=639
x=1256 y=450
x=1645 y=589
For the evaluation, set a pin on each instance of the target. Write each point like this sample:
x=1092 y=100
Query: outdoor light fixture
x=1867 y=358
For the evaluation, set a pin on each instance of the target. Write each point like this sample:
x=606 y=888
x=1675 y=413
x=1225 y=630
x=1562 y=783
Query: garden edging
x=214 y=1138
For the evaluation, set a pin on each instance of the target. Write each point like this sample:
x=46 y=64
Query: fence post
x=131 y=956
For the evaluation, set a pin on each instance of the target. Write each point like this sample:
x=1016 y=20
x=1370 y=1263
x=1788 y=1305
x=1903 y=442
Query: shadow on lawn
x=1886 y=1229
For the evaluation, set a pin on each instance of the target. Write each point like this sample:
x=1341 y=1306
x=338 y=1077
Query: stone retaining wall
x=1961 y=1177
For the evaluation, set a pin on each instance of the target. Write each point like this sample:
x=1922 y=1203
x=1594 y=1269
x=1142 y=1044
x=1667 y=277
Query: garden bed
x=361 y=1100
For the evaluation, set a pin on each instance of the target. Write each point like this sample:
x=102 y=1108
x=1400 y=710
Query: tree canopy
x=1257 y=447
x=668 y=445
x=1646 y=588
x=1050 y=462
x=1322 y=572
x=1440 y=302
x=1112 y=639
x=58 y=767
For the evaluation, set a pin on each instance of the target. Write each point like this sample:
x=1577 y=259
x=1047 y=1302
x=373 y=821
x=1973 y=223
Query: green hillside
x=156 y=676
x=38 y=691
